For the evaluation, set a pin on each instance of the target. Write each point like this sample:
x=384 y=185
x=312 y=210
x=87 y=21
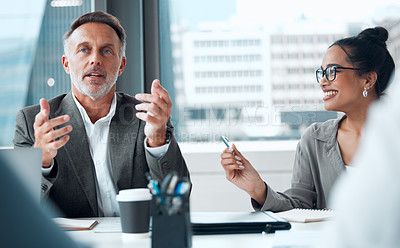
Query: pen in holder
x=171 y=225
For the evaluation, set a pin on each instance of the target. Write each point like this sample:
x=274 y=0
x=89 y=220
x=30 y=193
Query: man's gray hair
x=99 y=17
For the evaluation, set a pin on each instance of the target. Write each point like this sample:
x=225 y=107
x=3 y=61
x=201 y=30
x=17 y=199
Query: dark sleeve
x=172 y=160
x=24 y=134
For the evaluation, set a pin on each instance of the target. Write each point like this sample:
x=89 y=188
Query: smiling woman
x=246 y=69
x=326 y=149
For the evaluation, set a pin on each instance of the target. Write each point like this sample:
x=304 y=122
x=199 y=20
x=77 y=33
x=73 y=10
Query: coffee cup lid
x=138 y=194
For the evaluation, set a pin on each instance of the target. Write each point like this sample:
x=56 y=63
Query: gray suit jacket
x=317 y=165
x=72 y=182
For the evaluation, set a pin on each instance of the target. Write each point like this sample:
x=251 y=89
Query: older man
x=95 y=141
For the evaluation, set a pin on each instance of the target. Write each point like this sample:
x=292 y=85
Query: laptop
x=206 y=223
x=23 y=222
x=26 y=164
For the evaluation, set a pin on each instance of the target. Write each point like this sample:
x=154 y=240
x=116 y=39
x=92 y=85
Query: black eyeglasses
x=330 y=72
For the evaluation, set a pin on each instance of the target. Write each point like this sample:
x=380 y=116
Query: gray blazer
x=72 y=182
x=317 y=165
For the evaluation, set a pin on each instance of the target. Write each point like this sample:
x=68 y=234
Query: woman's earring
x=365 y=93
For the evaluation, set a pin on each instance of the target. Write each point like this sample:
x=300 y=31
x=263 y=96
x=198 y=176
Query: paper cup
x=134 y=205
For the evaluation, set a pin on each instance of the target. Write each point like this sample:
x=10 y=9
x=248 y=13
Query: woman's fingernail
x=238 y=158
x=241 y=166
x=239 y=163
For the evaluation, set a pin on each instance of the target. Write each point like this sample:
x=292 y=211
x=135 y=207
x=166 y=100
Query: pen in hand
x=226 y=141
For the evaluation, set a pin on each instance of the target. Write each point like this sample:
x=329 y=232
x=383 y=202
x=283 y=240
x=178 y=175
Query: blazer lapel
x=124 y=129
x=78 y=153
x=332 y=150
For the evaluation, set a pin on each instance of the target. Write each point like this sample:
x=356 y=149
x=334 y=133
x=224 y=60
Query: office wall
x=213 y=192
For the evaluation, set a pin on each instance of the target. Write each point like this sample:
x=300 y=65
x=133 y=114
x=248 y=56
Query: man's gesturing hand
x=158 y=109
x=46 y=137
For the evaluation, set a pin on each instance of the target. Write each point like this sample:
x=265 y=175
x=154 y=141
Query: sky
x=346 y=10
x=267 y=12
x=197 y=11
x=21 y=18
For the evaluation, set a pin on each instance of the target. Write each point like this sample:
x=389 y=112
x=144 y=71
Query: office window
x=309 y=55
x=308 y=39
x=276 y=40
x=31 y=49
x=294 y=71
x=278 y=86
x=279 y=102
x=323 y=39
x=310 y=86
x=286 y=49
x=309 y=70
x=294 y=101
x=292 y=39
x=277 y=56
x=229 y=45
x=294 y=86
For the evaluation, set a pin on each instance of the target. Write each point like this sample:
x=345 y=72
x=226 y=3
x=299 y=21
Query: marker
x=172 y=184
x=153 y=186
x=169 y=183
x=182 y=188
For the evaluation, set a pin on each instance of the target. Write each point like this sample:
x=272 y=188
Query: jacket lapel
x=124 y=129
x=77 y=151
x=332 y=150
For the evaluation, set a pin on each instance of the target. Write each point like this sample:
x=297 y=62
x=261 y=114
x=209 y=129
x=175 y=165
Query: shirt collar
x=107 y=118
x=327 y=131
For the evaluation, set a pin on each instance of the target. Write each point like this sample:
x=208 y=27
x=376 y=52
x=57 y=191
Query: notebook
x=236 y=222
x=26 y=163
x=75 y=224
x=306 y=215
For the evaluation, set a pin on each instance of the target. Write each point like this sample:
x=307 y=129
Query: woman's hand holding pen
x=240 y=172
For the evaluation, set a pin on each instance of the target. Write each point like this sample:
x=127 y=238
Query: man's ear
x=371 y=78
x=122 y=66
x=65 y=63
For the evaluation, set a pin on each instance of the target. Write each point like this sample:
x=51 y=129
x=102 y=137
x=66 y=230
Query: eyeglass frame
x=334 y=77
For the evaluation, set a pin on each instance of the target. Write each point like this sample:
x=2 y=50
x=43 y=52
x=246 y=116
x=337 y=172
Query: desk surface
x=107 y=235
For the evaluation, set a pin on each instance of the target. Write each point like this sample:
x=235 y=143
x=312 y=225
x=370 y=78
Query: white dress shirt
x=99 y=150
x=98 y=145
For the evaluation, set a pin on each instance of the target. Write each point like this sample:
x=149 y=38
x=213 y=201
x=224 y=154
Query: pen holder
x=171 y=225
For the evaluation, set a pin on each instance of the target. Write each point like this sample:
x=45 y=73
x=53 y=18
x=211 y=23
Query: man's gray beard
x=83 y=89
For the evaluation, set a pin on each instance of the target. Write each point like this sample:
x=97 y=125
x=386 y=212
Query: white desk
x=97 y=238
